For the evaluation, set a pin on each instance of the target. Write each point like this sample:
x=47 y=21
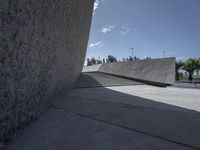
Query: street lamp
x=163 y=54
x=132 y=52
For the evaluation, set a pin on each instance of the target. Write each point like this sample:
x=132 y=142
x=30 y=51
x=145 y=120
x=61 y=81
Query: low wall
x=42 y=50
x=157 y=71
x=94 y=68
x=187 y=84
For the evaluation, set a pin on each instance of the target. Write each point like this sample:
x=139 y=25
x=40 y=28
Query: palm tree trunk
x=177 y=75
x=190 y=77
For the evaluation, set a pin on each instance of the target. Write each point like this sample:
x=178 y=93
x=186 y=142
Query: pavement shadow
x=168 y=122
x=97 y=79
x=92 y=117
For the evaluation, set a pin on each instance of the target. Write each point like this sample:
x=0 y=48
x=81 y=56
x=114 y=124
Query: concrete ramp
x=154 y=71
x=98 y=79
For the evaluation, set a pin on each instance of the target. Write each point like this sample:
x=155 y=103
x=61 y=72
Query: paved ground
x=187 y=84
x=122 y=117
x=94 y=79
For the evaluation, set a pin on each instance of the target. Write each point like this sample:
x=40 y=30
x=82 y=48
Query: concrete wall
x=42 y=50
x=187 y=85
x=93 y=68
x=161 y=71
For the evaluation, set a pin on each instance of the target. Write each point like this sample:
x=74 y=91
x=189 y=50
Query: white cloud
x=124 y=30
x=183 y=58
x=107 y=28
x=96 y=6
x=97 y=3
x=96 y=45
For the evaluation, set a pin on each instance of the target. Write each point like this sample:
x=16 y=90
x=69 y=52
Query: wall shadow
x=98 y=79
x=168 y=122
x=94 y=115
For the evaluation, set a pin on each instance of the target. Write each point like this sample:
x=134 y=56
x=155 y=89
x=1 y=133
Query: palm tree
x=179 y=65
x=103 y=61
x=190 y=66
x=111 y=59
x=93 y=61
x=89 y=63
x=130 y=58
x=197 y=66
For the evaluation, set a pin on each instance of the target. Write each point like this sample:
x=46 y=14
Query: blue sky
x=148 y=26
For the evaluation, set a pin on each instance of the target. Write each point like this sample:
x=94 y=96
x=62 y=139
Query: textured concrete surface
x=95 y=79
x=187 y=85
x=184 y=98
x=104 y=118
x=153 y=70
x=94 y=68
x=181 y=97
x=42 y=50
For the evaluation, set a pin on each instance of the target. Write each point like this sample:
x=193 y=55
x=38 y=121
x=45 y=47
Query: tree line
x=190 y=66
x=110 y=59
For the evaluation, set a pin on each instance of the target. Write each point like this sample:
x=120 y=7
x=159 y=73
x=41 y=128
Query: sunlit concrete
x=113 y=116
x=182 y=97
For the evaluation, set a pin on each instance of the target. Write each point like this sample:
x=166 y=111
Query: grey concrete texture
x=152 y=70
x=188 y=99
x=93 y=68
x=86 y=80
x=187 y=85
x=181 y=99
x=42 y=50
x=104 y=118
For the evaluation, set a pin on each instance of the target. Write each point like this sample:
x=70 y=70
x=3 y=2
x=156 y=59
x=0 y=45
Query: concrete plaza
x=104 y=112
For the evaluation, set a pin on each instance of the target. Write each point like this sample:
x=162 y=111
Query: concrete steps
x=87 y=80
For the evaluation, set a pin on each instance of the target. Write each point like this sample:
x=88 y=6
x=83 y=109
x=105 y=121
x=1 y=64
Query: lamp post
x=132 y=52
x=163 y=54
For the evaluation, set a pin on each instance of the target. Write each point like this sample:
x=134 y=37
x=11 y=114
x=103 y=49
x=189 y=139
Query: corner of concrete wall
x=42 y=49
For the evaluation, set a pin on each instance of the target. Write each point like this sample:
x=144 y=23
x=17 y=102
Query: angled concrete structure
x=42 y=50
x=153 y=71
